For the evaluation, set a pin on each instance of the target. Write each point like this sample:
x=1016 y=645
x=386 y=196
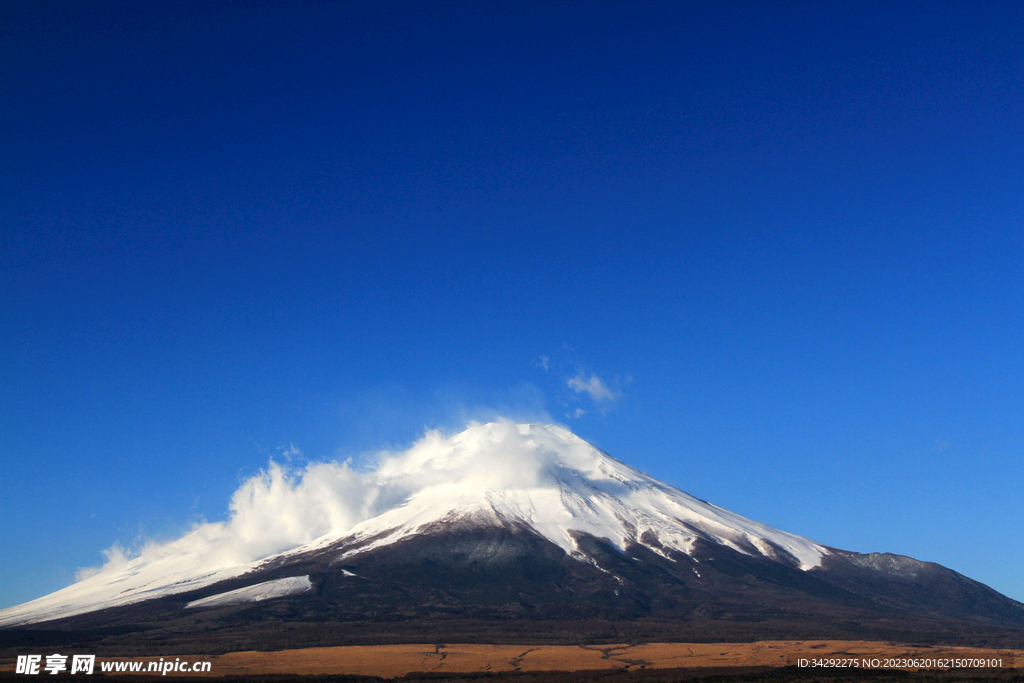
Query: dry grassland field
x=390 y=661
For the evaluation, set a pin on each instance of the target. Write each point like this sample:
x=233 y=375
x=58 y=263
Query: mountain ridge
x=530 y=523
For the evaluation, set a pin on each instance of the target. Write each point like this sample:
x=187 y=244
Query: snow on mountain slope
x=268 y=590
x=141 y=579
x=543 y=477
x=557 y=483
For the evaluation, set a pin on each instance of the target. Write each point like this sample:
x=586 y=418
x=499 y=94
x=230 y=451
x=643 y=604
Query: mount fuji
x=514 y=531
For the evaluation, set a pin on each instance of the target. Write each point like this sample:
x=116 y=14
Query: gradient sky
x=787 y=239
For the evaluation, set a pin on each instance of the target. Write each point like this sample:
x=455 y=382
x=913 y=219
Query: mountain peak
x=542 y=478
x=547 y=478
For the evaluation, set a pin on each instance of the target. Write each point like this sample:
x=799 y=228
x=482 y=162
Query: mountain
x=509 y=531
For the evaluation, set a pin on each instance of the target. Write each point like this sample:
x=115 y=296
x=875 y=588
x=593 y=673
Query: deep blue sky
x=788 y=237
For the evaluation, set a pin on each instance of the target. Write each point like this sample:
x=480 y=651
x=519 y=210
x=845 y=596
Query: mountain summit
x=529 y=523
x=548 y=480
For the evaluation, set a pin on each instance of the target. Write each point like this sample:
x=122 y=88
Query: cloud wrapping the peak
x=285 y=506
x=280 y=506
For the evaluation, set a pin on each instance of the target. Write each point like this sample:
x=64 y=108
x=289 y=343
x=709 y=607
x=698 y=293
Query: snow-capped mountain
x=505 y=520
x=544 y=478
x=578 y=489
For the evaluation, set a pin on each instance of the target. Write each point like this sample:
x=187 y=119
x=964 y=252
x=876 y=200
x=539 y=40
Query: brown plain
x=390 y=661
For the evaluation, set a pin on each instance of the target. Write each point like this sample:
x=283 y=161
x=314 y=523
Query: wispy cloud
x=285 y=506
x=289 y=451
x=594 y=387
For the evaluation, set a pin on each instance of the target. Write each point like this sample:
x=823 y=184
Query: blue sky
x=787 y=239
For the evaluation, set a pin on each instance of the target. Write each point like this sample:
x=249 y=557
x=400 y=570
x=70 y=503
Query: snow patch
x=268 y=590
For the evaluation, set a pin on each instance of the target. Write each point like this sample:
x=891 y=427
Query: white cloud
x=289 y=451
x=117 y=558
x=594 y=387
x=285 y=505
